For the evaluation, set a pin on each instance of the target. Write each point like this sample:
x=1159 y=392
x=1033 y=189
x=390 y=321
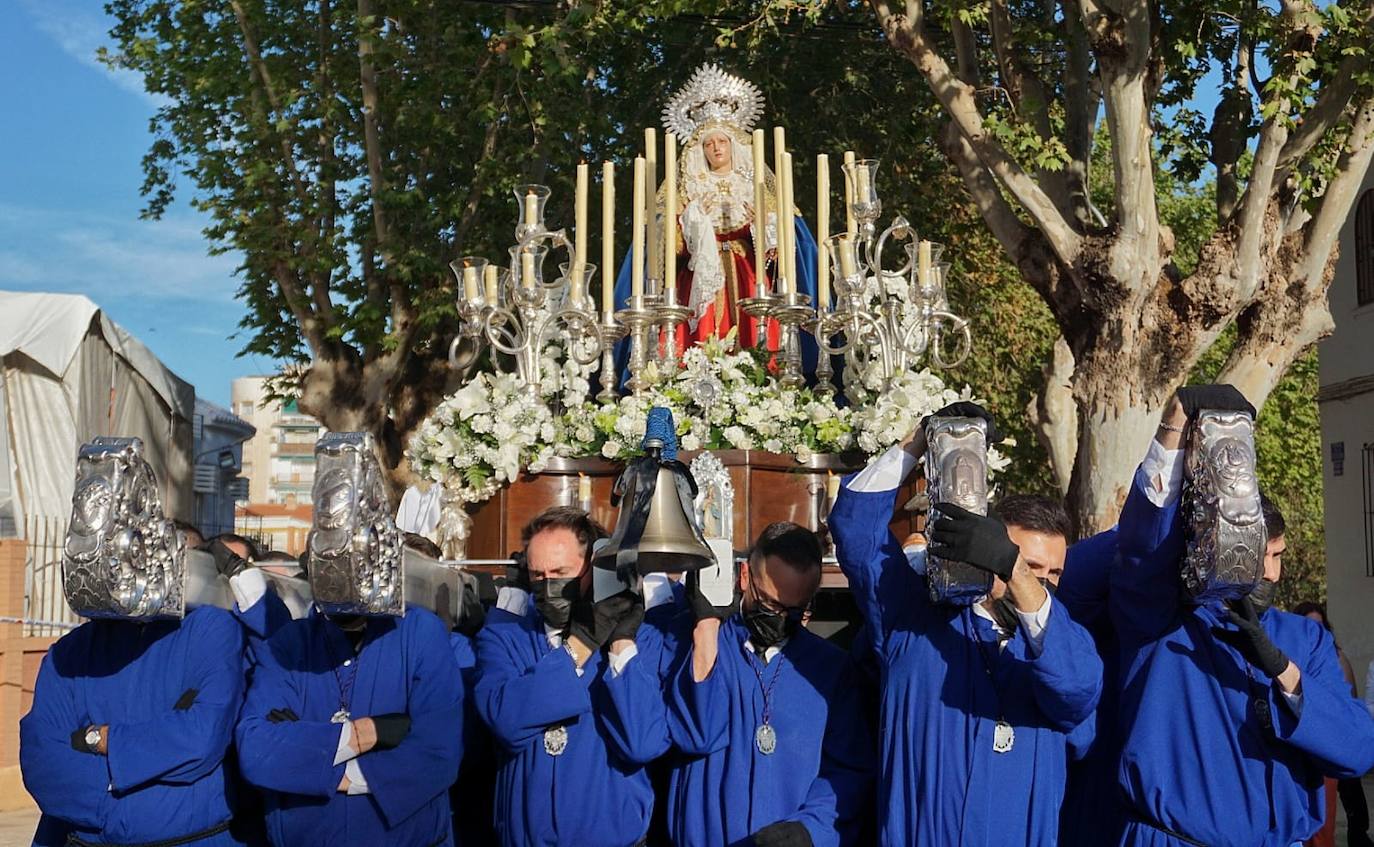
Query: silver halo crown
x=712 y=96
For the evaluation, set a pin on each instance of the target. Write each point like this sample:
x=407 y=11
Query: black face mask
x=554 y=598
x=768 y=628
x=1263 y=595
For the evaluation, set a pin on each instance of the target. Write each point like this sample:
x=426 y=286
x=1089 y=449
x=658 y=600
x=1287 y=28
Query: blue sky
x=74 y=135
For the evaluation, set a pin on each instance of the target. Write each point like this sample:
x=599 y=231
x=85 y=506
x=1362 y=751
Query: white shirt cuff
x=1163 y=469
x=618 y=661
x=356 y=783
x=1033 y=624
x=658 y=590
x=885 y=473
x=248 y=585
x=345 y=752
x=513 y=600
x=1294 y=701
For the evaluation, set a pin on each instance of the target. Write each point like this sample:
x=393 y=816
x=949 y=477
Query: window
x=1367 y=482
x=1364 y=249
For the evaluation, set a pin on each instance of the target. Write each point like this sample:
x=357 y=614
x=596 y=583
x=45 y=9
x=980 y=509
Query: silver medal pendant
x=556 y=740
x=766 y=739
x=1003 y=737
x=341 y=716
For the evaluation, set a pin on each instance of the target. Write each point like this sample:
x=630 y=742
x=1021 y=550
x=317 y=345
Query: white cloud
x=80 y=33
x=104 y=257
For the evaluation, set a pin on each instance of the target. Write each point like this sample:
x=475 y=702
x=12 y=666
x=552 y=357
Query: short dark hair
x=1273 y=518
x=1035 y=512
x=186 y=528
x=794 y=544
x=570 y=518
x=254 y=551
x=1307 y=607
x=278 y=557
x=420 y=544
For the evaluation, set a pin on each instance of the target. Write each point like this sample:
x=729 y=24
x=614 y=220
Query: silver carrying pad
x=205 y=585
x=956 y=472
x=355 y=547
x=122 y=557
x=433 y=585
x=1223 y=521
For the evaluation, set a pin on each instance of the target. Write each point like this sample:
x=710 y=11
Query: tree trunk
x=1114 y=431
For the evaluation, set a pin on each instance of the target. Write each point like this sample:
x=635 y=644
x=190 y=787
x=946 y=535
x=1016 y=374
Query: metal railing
x=46 y=612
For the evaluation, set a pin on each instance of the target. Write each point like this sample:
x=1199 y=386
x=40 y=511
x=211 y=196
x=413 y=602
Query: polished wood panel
x=768 y=487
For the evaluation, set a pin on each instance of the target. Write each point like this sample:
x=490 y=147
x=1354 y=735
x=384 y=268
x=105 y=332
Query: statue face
x=718 y=150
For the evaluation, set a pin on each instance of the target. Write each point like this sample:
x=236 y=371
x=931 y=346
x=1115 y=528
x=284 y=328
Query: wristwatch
x=93 y=738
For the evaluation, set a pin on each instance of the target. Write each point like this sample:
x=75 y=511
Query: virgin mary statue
x=716 y=219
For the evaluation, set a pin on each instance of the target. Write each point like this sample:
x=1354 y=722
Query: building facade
x=279 y=461
x=1347 y=412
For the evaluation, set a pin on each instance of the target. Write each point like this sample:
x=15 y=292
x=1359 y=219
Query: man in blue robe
x=977 y=702
x=353 y=731
x=1231 y=713
x=126 y=739
x=574 y=723
x=775 y=750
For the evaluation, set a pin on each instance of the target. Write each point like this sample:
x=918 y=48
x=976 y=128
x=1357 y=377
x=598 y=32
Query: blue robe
x=471 y=795
x=722 y=788
x=405 y=665
x=1196 y=758
x=164 y=776
x=596 y=791
x=1093 y=813
x=944 y=686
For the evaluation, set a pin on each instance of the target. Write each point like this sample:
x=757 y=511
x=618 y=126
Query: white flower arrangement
x=489 y=431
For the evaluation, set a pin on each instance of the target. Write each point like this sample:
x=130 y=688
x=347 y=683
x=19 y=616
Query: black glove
x=227 y=561
x=702 y=608
x=391 y=730
x=518 y=573
x=1250 y=640
x=966 y=409
x=594 y=622
x=1195 y=398
x=186 y=700
x=627 y=625
x=979 y=540
x=283 y=715
x=782 y=834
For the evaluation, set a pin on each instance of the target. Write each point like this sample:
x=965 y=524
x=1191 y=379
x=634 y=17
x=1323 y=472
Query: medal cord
x=345 y=691
x=767 y=691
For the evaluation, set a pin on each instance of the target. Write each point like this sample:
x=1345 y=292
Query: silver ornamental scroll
x=358 y=563
x=1224 y=524
x=122 y=557
x=956 y=472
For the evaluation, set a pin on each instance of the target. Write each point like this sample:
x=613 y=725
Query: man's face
x=557 y=554
x=1044 y=552
x=238 y=548
x=192 y=539
x=716 y=146
x=1273 y=558
x=779 y=586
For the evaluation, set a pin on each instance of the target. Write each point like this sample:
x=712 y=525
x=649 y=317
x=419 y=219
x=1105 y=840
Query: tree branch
x=1080 y=105
x=1229 y=133
x=1331 y=103
x=907 y=34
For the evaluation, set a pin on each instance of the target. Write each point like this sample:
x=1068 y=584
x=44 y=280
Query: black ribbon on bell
x=657 y=530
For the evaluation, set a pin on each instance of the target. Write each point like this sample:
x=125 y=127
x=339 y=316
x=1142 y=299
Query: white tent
x=70 y=374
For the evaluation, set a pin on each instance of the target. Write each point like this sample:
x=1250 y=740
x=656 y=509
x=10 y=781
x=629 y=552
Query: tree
x=1021 y=86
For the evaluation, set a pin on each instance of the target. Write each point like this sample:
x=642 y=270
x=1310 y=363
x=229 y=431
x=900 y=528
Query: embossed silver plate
x=956 y=472
x=1223 y=521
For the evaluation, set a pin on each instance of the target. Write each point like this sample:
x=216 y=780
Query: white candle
x=579 y=268
x=786 y=233
x=489 y=280
x=527 y=268
x=608 y=239
x=651 y=196
x=469 y=283
x=923 y=263
x=670 y=218
x=637 y=234
x=851 y=227
x=531 y=208
x=861 y=186
x=760 y=213
x=846 y=248
x=822 y=233
x=584 y=488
